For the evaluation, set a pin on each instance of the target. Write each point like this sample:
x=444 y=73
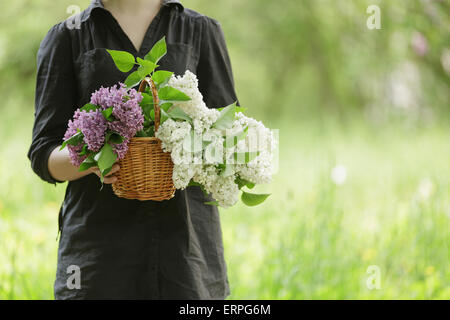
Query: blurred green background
x=364 y=175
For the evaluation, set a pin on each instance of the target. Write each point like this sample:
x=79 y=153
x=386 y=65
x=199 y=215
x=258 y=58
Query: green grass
x=315 y=240
x=311 y=239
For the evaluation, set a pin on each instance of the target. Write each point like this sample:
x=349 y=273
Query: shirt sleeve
x=214 y=70
x=55 y=98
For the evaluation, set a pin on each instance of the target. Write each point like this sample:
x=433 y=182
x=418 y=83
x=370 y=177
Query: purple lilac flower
x=100 y=97
x=93 y=125
x=75 y=159
x=72 y=127
x=126 y=108
x=121 y=149
x=113 y=96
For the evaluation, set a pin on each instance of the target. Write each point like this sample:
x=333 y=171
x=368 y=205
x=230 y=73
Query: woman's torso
x=128 y=248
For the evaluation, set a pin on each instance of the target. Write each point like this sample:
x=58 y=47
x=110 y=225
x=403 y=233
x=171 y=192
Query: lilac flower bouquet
x=99 y=133
x=219 y=150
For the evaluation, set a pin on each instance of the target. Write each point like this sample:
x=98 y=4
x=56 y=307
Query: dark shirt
x=130 y=249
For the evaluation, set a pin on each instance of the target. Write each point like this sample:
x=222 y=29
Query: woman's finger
x=110 y=179
x=95 y=170
x=114 y=169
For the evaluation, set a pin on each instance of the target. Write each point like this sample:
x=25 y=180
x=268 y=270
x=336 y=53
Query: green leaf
x=177 y=113
x=149 y=113
x=87 y=163
x=107 y=113
x=163 y=112
x=105 y=158
x=133 y=79
x=166 y=106
x=141 y=133
x=84 y=166
x=250 y=185
x=212 y=203
x=206 y=143
x=89 y=107
x=73 y=140
x=168 y=94
x=106 y=171
x=226 y=117
x=124 y=60
x=228 y=170
x=115 y=138
x=253 y=199
x=245 y=156
x=163 y=116
x=146 y=98
x=146 y=67
x=194 y=184
x=238 y=109
x=161 y=77
x=150 y=132
x=84 y=150
x=232 y=140
x=152 y=114
x=144 y=71
x=146 y=132
x=158 y=51
x=146 y=105
x=242 y=182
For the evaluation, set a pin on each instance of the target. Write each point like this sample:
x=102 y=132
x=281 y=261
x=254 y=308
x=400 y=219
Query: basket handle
x=149 y=82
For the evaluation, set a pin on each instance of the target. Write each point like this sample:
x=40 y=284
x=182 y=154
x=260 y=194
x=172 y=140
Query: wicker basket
x=146 y=171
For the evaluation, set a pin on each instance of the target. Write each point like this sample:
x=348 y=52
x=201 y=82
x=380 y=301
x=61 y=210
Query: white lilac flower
x=259 y=139
x=206 y=166
x=203 y=117
x=172 y=133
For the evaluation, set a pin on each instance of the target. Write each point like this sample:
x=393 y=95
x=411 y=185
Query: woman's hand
x=61 y=169
x=110 y=177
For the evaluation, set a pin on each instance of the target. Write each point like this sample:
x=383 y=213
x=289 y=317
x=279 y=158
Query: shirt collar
x=98 y=4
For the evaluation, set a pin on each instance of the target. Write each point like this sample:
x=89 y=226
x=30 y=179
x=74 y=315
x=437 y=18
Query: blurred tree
x=292 y=59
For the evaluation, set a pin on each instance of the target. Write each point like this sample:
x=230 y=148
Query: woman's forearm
x=60 y=167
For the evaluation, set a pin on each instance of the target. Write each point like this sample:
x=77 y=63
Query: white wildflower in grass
x=221 y=151
x=425 y=189
x=339 y=174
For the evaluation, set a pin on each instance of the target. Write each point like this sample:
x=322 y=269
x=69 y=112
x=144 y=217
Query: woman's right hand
x=110 y=177
x=61 y=169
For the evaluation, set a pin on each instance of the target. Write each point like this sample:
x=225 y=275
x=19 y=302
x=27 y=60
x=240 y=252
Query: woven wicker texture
x=145 y=171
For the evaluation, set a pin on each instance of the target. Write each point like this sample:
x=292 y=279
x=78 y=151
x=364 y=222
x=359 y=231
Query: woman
x=119 y=248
